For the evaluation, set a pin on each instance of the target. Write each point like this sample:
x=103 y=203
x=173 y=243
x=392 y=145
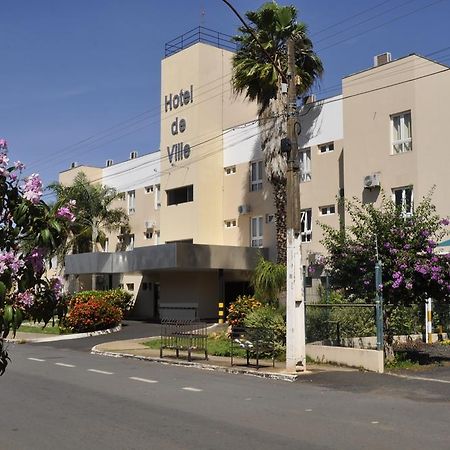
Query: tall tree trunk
x=280 y=199
x=272 y=123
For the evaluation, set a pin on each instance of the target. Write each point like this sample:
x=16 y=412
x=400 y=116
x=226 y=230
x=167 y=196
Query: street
x=63 y=398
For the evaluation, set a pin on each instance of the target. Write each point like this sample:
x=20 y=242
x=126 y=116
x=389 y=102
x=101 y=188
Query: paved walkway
x=135 y=348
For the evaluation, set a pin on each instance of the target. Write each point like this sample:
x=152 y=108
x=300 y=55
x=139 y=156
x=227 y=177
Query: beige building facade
x=201 y=209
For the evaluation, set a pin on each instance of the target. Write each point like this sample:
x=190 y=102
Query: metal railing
x=199 y=34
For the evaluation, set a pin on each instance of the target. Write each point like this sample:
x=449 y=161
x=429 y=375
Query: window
x=156 y=236
x=148 y=234
x=306 y=225
x=148 y=189
x=106 y=246
x=305 y=165
x=230 y=223
x=130 y=286
x=404 y=199
x=327 y=210
x=130 y=242
x=131 y=197
x=183 y=194
x=256 y=176
x=256 y=232
x=230 y=170
x=401 y=133
x=270 y=218
x=326 y=148
x=144 y=286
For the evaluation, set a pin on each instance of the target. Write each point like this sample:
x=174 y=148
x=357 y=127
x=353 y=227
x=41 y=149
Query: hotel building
x=201 y=209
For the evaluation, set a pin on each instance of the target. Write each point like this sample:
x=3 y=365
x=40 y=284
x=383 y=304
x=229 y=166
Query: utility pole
x=295 y=296
x=295 y=301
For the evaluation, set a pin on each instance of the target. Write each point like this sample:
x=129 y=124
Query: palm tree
x=94 y=215
x=255 y=75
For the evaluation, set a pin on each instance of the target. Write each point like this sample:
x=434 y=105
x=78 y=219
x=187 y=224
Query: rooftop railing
x=200 y=34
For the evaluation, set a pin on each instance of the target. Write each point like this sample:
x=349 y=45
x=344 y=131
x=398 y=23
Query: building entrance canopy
x=173 y=256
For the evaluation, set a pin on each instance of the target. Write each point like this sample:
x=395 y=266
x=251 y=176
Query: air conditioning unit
x=149 y=224
x=109 y=162
x=371 y=181
x=133 y=154
x=244 y=209
x=381 y=59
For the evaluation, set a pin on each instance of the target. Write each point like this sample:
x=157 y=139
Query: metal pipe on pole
x=295 y=301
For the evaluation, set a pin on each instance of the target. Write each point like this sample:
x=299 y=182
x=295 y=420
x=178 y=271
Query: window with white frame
x=256 y=176
x=232 y=223
x=148 y=189
x=157 y=192
x=327 y=210
x=256 y=231
x=326 y=148
x=305 y=165
x=131 y=198
x=404 y=199
x=231 y=170
x=306 y=225
x=401 y=133
x=149 y=234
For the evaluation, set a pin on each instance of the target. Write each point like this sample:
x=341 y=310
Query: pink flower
x=25 y=299
x=32 y=189
x=56 y=286
x=3 y=144
x=19 y=165
x=9 y=260
x=65 y=213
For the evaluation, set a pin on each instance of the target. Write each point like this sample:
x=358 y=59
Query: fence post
x=379 y=305
x=428 y=321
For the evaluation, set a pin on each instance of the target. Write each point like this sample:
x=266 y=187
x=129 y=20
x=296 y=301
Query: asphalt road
x=60 y=398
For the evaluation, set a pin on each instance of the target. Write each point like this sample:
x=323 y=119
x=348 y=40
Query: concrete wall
x=372 y=360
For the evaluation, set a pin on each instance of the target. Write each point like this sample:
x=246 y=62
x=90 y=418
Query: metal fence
x=343 y=324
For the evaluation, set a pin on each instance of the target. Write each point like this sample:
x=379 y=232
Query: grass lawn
x=26 y=328
x=217 y=346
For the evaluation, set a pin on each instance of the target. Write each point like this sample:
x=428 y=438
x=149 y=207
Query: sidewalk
x=134 y=348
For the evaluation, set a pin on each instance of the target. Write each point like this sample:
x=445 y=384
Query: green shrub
x=271 y=325
x=92 y=314
x=239 y=310
x=115 y=297
x=268 y=280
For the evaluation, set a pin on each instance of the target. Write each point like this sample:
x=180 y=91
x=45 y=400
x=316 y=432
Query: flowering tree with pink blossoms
x=405 y=244
x=29 y=233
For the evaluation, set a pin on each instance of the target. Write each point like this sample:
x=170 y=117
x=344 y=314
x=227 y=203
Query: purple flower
x=65 y=213
x=3 y=144
x=36 y=258
x=56 y=286
x=19 y=165
x=445 y=221
x=25 y=299
x=366 y=283
x=409 y=285
x=9 y=260
x=4 y=160
x=32 y=189
x=407 y=246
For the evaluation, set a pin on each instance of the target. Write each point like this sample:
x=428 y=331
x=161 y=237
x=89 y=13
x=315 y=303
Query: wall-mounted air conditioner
x=371 y=181
x=244 y=209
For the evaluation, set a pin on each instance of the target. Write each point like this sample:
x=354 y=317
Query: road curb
x=233 y=370
x=67 y=337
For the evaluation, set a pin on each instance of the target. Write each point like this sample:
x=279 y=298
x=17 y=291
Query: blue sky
x=70 y=70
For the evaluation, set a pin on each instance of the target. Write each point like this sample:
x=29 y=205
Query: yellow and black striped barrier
x=221 y=312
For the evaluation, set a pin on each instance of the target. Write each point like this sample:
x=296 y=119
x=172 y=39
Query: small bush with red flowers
x=115 y=297
x=92 y=314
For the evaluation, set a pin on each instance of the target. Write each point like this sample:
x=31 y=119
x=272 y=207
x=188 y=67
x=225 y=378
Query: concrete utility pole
x=295 y=302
